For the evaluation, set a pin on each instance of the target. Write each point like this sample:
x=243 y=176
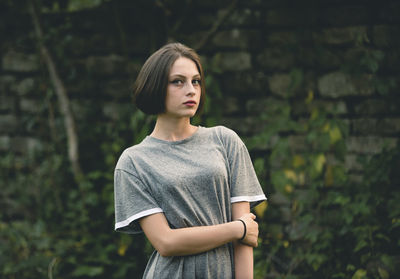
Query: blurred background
x=312 y=87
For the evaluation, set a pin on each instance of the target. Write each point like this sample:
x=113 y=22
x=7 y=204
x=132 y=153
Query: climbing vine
x=319 y=222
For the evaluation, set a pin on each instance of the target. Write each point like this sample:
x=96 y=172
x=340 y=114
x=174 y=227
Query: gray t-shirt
x=193 y=182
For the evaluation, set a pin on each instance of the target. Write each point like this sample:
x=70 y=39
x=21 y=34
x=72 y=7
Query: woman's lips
x=190 y=103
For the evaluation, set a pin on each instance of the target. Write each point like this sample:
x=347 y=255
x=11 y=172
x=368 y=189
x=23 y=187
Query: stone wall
x=252 y=54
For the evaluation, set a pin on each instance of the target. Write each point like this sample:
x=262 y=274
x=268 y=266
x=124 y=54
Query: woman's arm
x=194 y=240
x=243 y=254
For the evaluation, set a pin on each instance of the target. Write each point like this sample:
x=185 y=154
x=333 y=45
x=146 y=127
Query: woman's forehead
x=185 y=67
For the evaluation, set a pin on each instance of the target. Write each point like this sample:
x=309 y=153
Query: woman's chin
x=181 y=115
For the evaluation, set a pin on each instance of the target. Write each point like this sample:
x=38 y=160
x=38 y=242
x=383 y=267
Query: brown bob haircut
x=150 y=88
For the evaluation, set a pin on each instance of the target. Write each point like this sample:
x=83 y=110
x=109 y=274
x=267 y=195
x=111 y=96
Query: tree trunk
x=61 y=92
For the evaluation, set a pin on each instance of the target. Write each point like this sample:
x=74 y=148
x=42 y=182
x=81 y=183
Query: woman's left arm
x=243 y=254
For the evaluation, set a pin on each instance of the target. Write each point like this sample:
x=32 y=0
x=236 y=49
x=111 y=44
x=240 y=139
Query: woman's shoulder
x=222 y=130
x=129 y=155
x=225 y=135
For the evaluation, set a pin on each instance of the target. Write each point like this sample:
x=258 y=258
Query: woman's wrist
x=244 y=229
x=238 y=229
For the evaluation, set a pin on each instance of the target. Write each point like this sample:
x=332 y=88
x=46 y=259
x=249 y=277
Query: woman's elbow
x=166 y=250
x=166 y=247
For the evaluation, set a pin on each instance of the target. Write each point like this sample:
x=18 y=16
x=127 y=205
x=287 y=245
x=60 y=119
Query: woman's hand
x=251 y=237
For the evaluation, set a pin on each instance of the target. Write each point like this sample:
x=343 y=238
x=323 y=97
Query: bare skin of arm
x=243 y=254
x=188 y=241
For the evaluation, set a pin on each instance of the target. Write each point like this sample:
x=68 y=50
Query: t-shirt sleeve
x=132 y=202
x=243 y=179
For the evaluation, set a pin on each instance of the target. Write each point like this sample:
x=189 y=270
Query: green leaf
x=361 y=244
x=78 y=5
x=90 y=271
x=360 y=274
x=383 y=273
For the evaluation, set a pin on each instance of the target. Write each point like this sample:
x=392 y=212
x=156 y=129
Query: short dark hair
x=150 y=87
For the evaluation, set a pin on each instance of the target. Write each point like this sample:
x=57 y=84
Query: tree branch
x=61 y=92
x=217 y=24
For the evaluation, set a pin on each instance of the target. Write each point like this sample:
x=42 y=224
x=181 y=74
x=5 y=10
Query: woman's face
x=183 y=90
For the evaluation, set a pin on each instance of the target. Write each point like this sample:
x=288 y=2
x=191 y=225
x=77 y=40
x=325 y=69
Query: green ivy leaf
x=360 y=274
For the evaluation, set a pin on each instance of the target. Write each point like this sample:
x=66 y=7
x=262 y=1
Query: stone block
x=276 y=58
x=279 y=84
x=258 y=106
x=355 y=178
x=369 y=144
x=117 y=89
x=19 y=62
x=230 y=105
x=212 y=3
x=25 y=145
x=352 y=163
x=330 y=107
x=391 y=60
x=341 y=36
x=8 y=123
x=386 y=36
x=390 y=12
x=389 y=126
x=24 y=87
x=98 y=45
x=6 y=83
x=30 y=106
x=248 y=83
x=376 y=107
x=286 y=213
x=106 y=65
x=326 y=58
x=279 y=199
x=192 y=40
x=240 y=125
x=5 y=143
x=6 y=103
x=298 y=16
x=242 y=17
x=237 y=38
x=320 y=58
x=344 y=15
x=303 y=195
x=264 y=145
x=364 y=84
x=276 y=231
x=206 y=20
x=82 y=109
x=116 y=111
x=298 y=143
x=335 y=85
x=140 y=41
x=232 y=61
x=365 y=126
x=77 y=46
x=374 y=126
x=244 y=125
x=133 y=69
x=281 y=38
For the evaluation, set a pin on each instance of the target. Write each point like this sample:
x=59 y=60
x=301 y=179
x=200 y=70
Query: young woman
x=188 y=188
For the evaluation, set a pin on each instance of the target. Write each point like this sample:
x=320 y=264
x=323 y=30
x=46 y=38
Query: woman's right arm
x=193 y=240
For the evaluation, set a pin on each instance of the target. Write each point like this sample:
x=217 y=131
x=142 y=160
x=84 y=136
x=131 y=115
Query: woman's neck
x=173 y=129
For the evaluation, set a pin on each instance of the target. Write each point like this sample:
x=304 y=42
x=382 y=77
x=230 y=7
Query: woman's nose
x=190 y=93
x=190 y=89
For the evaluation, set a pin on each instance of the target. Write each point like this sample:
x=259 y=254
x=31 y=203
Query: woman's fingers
x=251 y=237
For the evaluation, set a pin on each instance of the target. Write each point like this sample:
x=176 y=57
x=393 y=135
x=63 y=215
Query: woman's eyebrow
x=183 y=76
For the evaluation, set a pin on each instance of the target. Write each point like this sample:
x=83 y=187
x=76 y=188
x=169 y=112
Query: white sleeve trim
x=137 y=216
x=248 y=198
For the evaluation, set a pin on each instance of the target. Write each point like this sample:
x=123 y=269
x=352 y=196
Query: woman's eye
x=177 y=82
x=196 y=82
